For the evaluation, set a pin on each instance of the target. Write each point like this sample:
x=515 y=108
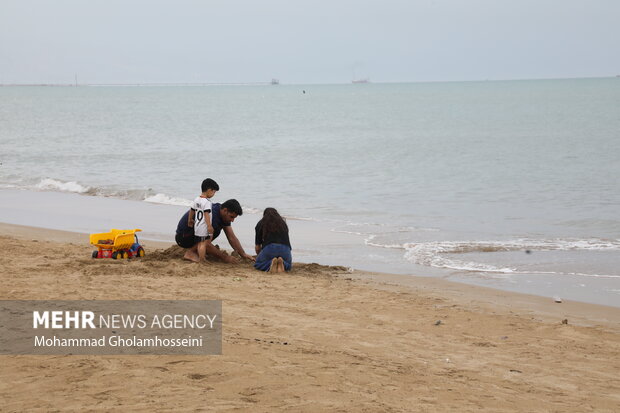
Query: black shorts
x=198 y=239
x=185 y=240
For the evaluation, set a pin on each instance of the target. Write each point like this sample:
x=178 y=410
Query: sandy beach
x=318 y=339
x=443 y=173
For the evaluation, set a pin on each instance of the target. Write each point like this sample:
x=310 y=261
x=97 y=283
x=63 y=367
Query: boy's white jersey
x=201 y=207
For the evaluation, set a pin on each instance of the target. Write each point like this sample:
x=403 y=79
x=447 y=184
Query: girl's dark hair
x=273 y=222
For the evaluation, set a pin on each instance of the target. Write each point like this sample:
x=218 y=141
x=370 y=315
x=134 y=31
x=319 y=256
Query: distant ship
x=361 y=80
x=275 y=81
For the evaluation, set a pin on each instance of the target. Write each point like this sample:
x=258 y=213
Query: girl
x=272 y=244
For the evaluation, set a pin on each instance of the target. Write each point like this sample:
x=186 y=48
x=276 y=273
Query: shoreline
x=312 y=241
x=495 y=300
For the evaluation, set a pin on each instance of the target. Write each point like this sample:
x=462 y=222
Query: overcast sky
x=300 y=41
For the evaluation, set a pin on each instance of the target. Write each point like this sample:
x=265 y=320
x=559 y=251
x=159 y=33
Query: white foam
x=349 y=232
x=49 y=184
x=300 y=218
x=430 y=254
x=368 y=241
x=433 y=254
x=167 y=200
x=398 y=229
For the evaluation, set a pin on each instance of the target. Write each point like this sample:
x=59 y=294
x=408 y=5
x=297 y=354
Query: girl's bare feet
x=274 y=266
x=281 y=265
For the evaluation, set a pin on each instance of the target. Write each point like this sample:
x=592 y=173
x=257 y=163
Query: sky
x=301 y=41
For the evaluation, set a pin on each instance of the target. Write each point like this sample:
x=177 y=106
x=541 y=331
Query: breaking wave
x=441 y=254
x=167 y=200
x=48 y=184
x=146 y=195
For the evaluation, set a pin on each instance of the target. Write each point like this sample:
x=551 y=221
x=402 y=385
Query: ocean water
x=510 y=184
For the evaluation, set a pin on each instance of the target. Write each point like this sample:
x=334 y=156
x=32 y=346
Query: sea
x=506 y=184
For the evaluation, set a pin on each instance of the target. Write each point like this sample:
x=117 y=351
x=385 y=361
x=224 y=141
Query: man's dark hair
x=209 y=184
x=233 y=206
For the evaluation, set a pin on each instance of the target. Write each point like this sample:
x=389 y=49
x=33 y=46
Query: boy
x=200 y=217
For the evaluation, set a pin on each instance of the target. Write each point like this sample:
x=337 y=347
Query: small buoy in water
x=528 y=251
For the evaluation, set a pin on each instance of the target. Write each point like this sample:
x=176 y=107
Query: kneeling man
x=222 y=215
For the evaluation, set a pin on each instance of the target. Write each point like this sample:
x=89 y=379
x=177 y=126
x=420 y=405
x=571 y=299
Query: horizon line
x=270 y=83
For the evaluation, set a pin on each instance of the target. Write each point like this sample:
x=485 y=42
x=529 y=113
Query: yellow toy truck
x=117 y=244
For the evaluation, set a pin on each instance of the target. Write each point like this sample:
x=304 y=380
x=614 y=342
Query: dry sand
x=317 y=339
